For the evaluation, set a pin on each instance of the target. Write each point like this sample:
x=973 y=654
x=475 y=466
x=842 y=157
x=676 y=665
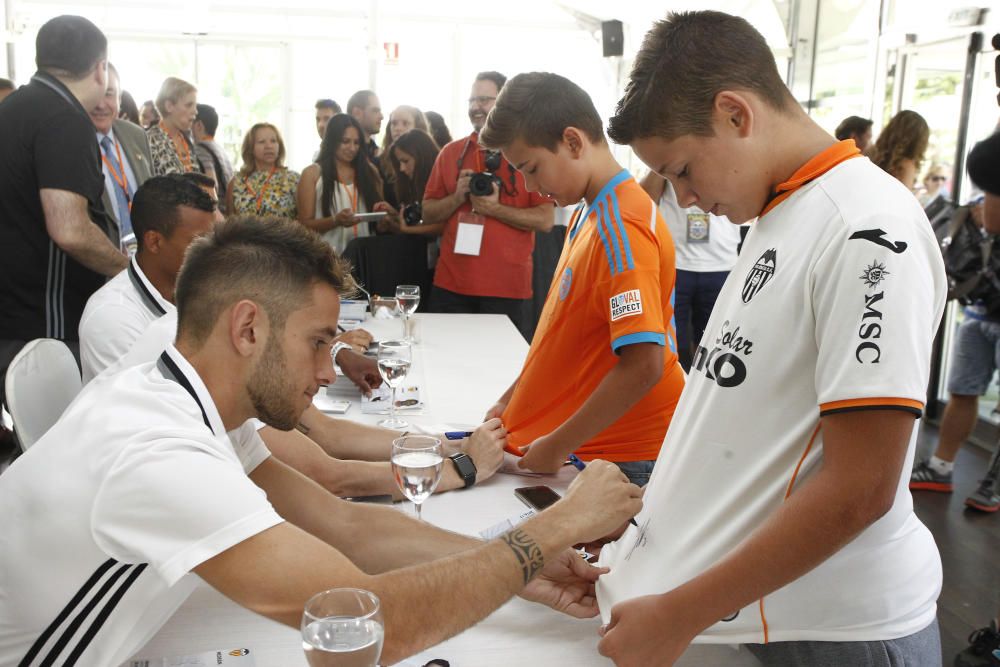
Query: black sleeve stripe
x=858 y=408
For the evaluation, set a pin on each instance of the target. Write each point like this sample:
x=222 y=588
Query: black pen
x=580 y=465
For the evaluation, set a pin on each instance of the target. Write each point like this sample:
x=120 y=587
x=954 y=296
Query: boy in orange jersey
x=601 y=379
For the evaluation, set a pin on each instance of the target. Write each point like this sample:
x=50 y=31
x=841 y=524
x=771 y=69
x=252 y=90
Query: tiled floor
x=969 y=542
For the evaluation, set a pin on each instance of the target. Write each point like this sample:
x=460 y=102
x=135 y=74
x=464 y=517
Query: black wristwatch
x=465 y=467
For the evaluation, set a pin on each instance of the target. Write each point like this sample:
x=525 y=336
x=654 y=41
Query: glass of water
x=393 y=365
x=407 y=300
x=342 y=627
x=416 y=465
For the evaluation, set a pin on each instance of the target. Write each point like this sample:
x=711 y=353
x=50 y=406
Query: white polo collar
x=175 y=367
x=149 y=295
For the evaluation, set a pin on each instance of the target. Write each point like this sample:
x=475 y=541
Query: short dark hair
x=272 y=261
x=6 y=84
x=128 y=107
x=852 y=126
x=327 y=103
x=496 y=77
x=209 y=118
x=359 y=100
x=156 y=203
x=69 y=46
x=685 y=61
x=203 y=181
x=537 y=107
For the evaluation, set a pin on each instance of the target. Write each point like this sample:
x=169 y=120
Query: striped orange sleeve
x=855 y=404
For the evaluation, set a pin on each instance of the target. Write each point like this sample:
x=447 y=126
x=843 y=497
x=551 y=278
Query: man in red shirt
x=485 y=263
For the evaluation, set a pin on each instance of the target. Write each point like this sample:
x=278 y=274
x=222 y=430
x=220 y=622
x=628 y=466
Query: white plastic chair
x=41 y=382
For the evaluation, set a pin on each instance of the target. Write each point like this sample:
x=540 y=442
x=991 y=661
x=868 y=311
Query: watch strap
x=465 y=467
x=337 y=347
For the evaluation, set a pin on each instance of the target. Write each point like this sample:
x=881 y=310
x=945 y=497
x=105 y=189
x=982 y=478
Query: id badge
x=697 y=228
x=469 y=239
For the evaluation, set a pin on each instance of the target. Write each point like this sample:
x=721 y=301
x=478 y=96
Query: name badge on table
x=697 y=228
x=238 y=657
x=469 y=239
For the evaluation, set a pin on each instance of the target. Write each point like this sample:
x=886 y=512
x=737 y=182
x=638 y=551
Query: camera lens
x=493 y=160
x=412 y=214
x=481 y=184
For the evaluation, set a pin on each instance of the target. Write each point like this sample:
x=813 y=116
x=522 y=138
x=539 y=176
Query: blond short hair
x=172 y=90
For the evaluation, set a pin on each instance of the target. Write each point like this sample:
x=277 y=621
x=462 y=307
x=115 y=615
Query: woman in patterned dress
x=169 y=141
x=264 y=185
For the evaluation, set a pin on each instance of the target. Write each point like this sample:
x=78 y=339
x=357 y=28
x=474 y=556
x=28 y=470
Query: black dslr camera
x=481 y=182
x=413 y=214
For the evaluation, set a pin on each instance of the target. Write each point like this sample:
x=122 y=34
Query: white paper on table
x=469 y=239
x=439 y=428
x=498 y=529
x=407 y=400
x=332 y=405
x=238 y=657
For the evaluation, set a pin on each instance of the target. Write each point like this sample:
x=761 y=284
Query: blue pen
x=457 y=435
x=580 y=465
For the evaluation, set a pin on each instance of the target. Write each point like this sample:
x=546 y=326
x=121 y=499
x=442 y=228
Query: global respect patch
x=626 y=304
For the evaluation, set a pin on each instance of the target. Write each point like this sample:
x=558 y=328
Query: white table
x=466 y=362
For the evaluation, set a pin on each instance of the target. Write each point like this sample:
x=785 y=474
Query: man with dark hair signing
x=778 y=515
x=141 y=485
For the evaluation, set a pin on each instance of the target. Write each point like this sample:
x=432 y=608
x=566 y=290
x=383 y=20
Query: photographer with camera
x=411 y=158
x=489 y=218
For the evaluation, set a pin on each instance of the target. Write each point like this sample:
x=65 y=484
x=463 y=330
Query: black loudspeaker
x=612 y=39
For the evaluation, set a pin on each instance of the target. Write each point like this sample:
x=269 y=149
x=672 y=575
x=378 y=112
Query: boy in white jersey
x=777 y=515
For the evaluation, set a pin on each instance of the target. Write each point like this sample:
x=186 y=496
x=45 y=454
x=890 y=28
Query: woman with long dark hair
x=402 y=119
x=412 y=157
x=438 y=128
x=341 y=184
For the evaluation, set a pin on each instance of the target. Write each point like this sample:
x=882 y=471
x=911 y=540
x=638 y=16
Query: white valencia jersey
x=832 y=306
x=108 y=513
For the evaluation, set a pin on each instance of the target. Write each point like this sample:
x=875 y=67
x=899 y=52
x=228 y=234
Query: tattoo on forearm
x=529 y=554
x=302 y=428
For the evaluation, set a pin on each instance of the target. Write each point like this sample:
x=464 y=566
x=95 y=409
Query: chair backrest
x=41 y=381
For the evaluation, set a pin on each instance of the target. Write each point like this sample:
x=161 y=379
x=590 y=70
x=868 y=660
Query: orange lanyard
x=180 y=147
x=122 y=179
x=352 y=190
x=263 y=188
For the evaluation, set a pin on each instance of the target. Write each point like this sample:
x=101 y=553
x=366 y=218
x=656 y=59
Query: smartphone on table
x=537 y=497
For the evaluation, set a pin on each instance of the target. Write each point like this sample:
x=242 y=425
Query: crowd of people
x=202 y=301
